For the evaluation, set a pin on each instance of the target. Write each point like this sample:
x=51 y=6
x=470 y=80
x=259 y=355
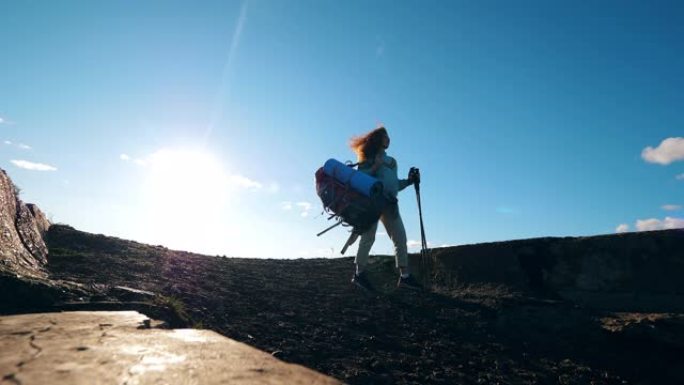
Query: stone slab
x=121 y=348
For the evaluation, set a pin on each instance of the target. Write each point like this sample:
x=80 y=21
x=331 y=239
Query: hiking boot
x=409 y=283
x=361 y=280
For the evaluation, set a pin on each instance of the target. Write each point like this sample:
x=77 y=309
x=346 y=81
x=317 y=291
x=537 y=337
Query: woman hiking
x=373 y=160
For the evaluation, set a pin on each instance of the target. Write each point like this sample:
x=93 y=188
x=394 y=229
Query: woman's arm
x=413 y=177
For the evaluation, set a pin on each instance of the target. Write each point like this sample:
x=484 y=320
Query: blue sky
x=199 y=125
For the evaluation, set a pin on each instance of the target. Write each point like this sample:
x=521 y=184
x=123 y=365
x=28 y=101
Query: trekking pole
x=424 y=251
x=329 y=228
x=423 y=241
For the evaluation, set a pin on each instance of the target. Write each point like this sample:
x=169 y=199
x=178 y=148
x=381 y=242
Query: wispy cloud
x=25 y=164
x=304 y=207
x=5 y=121
x=679 y=177
x=237 y=34
x=670 y=150
x=657 y=224
x=20 y=146
x=138 y=161
x=244 y=182
x=671 y=207
x=622 y=228
x=230 y=58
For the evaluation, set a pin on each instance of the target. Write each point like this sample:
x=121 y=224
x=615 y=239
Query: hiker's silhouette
x=370 y=149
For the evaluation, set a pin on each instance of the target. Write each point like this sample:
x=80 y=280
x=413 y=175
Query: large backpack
x=351 y=197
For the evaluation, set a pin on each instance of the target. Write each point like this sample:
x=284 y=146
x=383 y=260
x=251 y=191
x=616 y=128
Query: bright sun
x=185 y=195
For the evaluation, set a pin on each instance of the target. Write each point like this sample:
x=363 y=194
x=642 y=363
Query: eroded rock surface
x=22 y=248
x=125 y=348
x=41 y=221
x=30 y=234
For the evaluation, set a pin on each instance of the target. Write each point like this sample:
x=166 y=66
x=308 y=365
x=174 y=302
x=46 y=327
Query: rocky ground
x=307 y=312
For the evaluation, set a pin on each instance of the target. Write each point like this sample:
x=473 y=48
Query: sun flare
x=186 y=193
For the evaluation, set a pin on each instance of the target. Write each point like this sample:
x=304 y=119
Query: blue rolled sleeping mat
x=359 y=181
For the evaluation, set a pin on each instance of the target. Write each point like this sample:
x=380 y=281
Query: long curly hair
x=366 y=146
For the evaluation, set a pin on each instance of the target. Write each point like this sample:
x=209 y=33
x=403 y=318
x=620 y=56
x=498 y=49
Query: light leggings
x=395 y=229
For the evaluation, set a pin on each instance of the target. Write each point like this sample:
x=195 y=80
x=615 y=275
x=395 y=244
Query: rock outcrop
x=42 y=223
x=22 y=227
x=626 y=272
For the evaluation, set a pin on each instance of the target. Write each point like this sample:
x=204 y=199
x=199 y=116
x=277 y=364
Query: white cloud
x=18 y=145
x=622 y=228
x=671 y=207
x=657 y=224
x=244 y=182
x=33 y=166
x=2 y=120
x=411 y=244
x=669 y=150
x=648 y=224
x=139 y=161
x=673 y=223
x=305 y=207
x=417 y=244
x=680 y=177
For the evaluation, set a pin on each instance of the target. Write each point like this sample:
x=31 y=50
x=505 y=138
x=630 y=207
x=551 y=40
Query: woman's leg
x=395 y=229
x=365 y=244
